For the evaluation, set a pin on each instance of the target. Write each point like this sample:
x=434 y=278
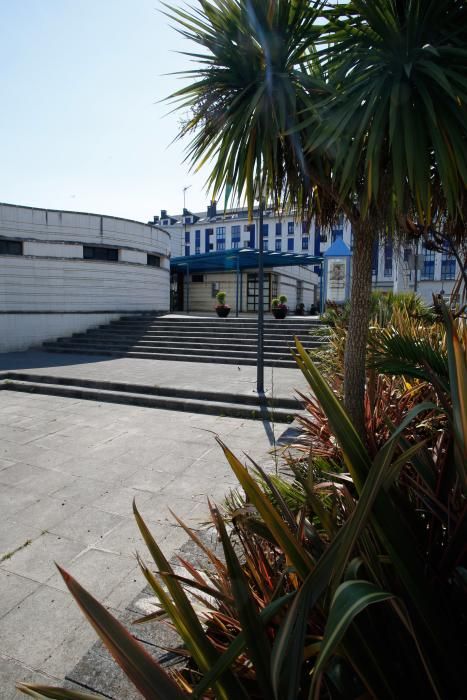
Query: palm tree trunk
x=357 y=336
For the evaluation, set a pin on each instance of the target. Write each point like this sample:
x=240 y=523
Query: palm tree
x=396 y=125
x=327 y=115
x=246 y=92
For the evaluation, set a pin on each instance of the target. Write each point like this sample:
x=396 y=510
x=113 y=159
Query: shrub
x=221 y=296
x=344 y=580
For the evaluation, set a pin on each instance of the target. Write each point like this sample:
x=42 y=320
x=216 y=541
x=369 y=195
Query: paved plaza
x=239 y=379
x=69 y=470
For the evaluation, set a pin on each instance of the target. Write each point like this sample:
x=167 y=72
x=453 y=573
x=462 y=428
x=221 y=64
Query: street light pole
x=187 y=187
x=260 y=356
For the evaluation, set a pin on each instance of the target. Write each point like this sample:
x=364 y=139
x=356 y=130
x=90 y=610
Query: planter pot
x=223 y=311
x=279 y=313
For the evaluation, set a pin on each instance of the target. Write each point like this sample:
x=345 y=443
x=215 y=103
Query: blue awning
x=240 y=258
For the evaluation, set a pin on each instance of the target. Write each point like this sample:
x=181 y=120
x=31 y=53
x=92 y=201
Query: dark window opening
x=197 y=278
x=154 y=260
x=11 y=248
x=96 y=253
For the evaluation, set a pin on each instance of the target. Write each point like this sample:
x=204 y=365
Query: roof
x=243 y=258
x=339 y=249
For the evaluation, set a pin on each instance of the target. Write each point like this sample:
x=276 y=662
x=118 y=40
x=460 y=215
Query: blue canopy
x=241 y=259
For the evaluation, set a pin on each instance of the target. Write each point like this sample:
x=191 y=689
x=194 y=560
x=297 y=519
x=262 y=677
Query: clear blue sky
x=80 y=123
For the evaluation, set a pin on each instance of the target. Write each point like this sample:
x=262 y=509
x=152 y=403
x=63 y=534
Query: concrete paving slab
x=161 y=458
x=51 y=610
x=86 y=524
x=15 y=534
x=100 y=571
x=13 y=590
x=37 y=560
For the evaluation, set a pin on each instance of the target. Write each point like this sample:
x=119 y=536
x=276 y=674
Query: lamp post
x=187 y=187
x=260 y=355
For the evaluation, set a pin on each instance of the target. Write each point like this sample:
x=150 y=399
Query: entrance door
x=252 y=292
x=177 y=291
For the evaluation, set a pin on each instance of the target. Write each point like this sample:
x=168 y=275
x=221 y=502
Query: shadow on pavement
x=36 y=359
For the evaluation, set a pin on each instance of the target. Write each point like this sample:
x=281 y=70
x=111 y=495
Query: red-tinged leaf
x=41 y=692
x=141 y=668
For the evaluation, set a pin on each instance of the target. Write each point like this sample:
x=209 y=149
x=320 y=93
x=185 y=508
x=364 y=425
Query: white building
x=63 y=272
x=199 y=233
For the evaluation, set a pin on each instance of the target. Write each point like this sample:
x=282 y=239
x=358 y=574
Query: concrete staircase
x=194 y=339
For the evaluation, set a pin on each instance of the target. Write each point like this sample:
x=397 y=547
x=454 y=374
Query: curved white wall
x=51 y=290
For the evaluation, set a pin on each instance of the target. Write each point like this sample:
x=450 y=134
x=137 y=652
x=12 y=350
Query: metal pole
x=321 y=289
x=237 y=288
x=415 y=283
x=187 y=288
x=260 y=357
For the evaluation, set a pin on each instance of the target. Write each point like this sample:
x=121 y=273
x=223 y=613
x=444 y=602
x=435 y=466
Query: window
x=154 y=260
x=305 y=227
x=187 y=250
x=265 y=229
x=337 y=234
x=278 y=245
x=448 y=267
x=428 y=269
x=279 y=228
x=197 y=242
x=290 y=243
x=220 y=238
x=187 y=237
x=11 y=247
x=388 y=260
x=375 y=258
x=290 y=228
x=91 y=252
x=265 y=245
x=236 y=236
x=197 y=278
x=165 y=222
x=305 y=242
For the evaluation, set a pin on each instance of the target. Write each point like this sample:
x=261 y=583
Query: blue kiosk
x=336 y=279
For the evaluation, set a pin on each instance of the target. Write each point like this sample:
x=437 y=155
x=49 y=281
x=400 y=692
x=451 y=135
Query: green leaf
x=349 y=600
x=184 y=617
x=289 y=543
x=256 y=638
x=237 y=646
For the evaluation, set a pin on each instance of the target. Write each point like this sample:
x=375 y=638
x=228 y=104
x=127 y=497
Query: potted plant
x=222 y=309
x=279 y=307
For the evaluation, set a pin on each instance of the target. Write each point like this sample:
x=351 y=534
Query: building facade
x=393 y=265
x=63 y=272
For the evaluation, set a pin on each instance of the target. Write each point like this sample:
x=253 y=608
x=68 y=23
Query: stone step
x=215 y=329
x=275 y=326
x=241 y=352
x=178 y=357
x=187 y=336
x=191 y=404
x=250 y=399
x=174 y=343
x=208 y=323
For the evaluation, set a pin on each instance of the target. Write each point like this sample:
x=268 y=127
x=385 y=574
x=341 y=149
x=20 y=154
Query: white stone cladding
x=52 y=290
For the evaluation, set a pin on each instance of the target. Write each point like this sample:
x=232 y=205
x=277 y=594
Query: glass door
x=252 y=292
